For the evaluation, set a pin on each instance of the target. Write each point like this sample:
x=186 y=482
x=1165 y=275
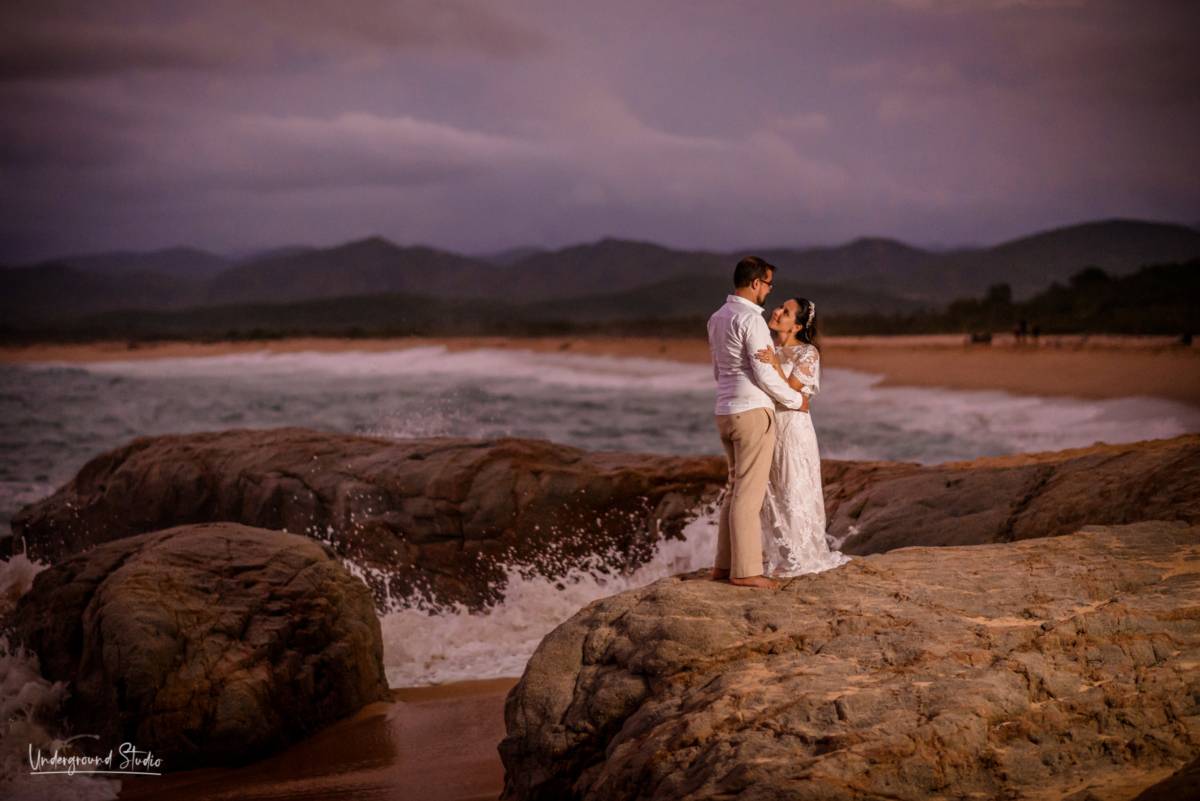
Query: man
x=747 y=391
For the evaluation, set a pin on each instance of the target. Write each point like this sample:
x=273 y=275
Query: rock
x=429 y=517
x=212 y=644
x=440 y=518
x=874 y=507
x=1048 y=668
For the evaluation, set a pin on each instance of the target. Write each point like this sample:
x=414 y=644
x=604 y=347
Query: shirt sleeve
x=712 y=352
x=807 y=370
x=758 y=336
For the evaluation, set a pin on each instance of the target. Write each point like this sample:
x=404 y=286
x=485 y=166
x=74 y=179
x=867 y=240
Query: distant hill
x=700 y=296
x=1028 y=265
x=880 y=263
x=509 y=256
x=879 y=275
x=1159 y=299
x=610 y=265
x=51 y=292
x=260 y=254
x=685 y=298
x=187 y=263
x=395 y=312
x=357 y=268
x=1119 y=247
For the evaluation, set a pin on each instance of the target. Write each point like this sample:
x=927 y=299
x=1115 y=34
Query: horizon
x=478 y=127
x=247 y=255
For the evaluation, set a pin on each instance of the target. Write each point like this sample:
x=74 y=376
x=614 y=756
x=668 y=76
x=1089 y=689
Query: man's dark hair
x=749 y=270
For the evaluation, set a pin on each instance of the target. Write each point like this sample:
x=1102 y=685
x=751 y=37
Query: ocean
x=56 y=416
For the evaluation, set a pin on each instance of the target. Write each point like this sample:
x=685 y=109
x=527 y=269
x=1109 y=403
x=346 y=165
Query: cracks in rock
x=1041 y=477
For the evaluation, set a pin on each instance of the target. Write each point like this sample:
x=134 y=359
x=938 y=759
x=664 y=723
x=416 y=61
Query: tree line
x=1160 y=299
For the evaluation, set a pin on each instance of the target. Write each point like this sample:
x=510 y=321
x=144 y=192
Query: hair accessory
x=812 y=309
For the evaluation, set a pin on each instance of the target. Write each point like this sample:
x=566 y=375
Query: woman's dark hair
x=807 y=314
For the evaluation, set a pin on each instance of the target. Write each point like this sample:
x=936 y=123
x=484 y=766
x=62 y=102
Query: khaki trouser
x=749 y=440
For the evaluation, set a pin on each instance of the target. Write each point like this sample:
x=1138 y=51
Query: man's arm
x=712 y=351
x=758 y=336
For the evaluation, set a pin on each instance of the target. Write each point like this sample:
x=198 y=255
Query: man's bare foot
x=720 y=574
x=755 y=581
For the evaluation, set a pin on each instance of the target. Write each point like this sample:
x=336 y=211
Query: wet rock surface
x=1065 y=667
x=874 y=507
x=214 y=644
x=431 y=517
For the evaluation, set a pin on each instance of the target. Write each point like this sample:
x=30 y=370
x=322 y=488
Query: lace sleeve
x=807 y=369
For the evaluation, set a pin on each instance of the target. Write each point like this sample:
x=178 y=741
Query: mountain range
x=608 y=280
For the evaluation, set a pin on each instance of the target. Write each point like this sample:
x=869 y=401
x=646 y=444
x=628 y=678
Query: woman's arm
x=767 y=355
x=807 y=370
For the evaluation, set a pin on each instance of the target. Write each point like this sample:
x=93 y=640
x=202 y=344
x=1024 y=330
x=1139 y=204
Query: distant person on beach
x=1019 y=332
x=747 y=392
x=793 y=515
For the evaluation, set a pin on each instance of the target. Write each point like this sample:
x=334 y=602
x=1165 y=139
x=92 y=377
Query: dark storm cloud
x=481 y=125
x=42 y=129
x=73 y=39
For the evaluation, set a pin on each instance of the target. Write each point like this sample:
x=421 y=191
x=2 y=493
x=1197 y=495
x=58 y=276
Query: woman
x=793 y=514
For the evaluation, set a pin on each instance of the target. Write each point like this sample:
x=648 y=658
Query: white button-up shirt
x=735 y=333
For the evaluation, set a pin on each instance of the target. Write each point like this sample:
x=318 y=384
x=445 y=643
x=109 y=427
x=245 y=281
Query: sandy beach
x=432 y=743
x=1069 y=366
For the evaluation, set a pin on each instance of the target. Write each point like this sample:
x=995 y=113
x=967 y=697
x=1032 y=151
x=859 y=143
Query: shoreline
x=436 y=743
x=1090 y=367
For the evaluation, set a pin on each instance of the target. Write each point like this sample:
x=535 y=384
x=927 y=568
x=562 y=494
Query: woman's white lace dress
x=793 y=514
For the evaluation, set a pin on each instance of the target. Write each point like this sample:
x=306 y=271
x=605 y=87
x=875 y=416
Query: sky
x=233 y=125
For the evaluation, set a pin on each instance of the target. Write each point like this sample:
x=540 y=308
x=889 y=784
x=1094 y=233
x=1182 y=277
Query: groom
x=747 y=391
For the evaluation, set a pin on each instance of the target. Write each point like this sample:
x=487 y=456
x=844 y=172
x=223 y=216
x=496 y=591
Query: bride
x=793 y=514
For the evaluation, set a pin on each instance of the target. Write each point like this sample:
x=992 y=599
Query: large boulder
x=874 y=507
x=438 y=518
x=213 y=644
x=1064 y=667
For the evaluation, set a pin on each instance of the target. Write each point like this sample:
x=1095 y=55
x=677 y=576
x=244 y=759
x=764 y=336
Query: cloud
x=263 y=153
x=618 y=158
x=959 y=6
x=57 y=130
x=481 y=125
x=809 y=124
x=57 y=39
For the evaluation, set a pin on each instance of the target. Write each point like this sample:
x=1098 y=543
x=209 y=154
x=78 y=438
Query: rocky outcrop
x=432 y=517
x=213 y=644
x=440 y=518
x=1056 y=668
x=875 y=507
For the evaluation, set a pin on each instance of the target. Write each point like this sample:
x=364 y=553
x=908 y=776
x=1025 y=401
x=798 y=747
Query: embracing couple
x=773 y=516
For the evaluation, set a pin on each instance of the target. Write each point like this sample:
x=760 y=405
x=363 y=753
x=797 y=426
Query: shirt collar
x=740 y=299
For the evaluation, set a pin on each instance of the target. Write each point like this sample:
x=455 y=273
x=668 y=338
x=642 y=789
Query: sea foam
x=425 y=646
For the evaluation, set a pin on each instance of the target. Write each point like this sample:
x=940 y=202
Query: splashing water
x=27 y=701
x=426 y=646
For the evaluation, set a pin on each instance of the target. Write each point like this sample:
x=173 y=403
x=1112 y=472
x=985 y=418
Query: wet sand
x=1076 y=366
x=430 y=743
